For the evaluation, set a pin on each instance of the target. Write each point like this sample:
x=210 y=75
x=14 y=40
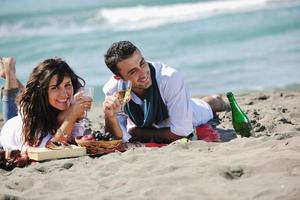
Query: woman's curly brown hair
x=39 y=117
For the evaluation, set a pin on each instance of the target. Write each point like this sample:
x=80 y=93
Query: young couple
x=50 y=105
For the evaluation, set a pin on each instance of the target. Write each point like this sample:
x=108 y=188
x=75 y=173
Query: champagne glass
x=123 y=90
x=87 y=92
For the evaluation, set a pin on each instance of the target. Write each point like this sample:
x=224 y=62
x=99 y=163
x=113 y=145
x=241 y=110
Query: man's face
x=137 y=70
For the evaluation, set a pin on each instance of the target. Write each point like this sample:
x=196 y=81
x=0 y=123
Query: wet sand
x=266 y=166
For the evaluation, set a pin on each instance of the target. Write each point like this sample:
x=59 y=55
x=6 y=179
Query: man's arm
x=159 y=135
x=112 y=126
x=111 y=105
x=177 y=99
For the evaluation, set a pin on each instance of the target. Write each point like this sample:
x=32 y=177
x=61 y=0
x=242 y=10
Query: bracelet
x=64 y=134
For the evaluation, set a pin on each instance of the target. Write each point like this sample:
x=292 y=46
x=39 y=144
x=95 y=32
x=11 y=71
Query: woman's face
x=60 y=96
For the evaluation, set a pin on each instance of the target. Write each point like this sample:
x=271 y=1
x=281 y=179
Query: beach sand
x=266 y=166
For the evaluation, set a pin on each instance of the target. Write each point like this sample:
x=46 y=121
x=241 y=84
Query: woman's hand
x=59 y=141
x=80 y=105
x=61 y=137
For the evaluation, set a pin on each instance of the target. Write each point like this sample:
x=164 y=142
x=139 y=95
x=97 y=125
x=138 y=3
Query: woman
x=48 y=109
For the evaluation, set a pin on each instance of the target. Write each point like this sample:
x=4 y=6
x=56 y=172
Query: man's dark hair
x=118 y=52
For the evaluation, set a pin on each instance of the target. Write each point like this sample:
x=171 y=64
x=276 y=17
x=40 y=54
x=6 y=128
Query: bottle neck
x=230 y=97
x=232 y=101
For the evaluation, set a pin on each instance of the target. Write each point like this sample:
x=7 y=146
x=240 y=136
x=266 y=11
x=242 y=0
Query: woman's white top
x=11 y=134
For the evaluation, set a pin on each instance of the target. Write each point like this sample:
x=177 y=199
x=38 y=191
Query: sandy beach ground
x=266 y=166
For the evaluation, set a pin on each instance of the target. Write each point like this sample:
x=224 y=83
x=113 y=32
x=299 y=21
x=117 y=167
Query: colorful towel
x=207 y=133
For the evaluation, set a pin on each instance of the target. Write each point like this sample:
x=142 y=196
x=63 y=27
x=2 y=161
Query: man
x=160 y=109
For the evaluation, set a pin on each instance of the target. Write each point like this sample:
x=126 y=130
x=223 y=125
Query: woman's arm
x=68 y=118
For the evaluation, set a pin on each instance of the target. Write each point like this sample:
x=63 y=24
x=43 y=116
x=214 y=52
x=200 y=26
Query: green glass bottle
x=240 y=121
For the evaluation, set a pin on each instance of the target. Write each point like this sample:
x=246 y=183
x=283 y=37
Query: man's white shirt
x=184 y=112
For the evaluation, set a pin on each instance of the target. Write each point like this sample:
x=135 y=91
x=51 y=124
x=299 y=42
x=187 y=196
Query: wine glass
x=87 y=92
x=123 y=90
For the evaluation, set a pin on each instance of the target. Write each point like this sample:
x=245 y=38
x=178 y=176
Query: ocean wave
x=120 y=19
x=49 y=24
x=141 y=17
x=20 y=29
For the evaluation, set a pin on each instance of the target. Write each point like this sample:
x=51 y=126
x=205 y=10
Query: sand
x=266 y=166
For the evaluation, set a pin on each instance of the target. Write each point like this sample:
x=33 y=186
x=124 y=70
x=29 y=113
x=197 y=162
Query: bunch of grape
x=102 y=136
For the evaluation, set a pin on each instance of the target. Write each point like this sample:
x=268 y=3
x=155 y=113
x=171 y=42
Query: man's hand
x=111 y=105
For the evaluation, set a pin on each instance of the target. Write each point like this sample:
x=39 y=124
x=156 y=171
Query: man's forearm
x=112 y=126
x=162 y=135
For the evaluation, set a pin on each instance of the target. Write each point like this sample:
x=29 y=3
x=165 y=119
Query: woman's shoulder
x=13 y=123
x=10 y=137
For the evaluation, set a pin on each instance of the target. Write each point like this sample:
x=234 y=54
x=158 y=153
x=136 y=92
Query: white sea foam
x=140 y=17
x=47 y=25
x=47 y=29
x=125 y=18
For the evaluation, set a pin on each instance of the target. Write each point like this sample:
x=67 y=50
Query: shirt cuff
x=123 y=124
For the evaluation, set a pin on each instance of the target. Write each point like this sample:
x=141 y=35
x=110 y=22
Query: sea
x=217 y=46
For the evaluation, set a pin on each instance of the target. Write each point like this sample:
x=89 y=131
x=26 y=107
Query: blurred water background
x=236 y=45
